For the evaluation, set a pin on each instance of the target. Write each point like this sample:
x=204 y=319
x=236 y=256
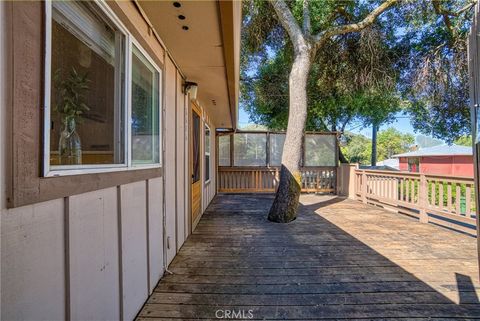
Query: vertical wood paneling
x=33 y=262
x=155 y=230
x=170 y=159
x=93 y=253
x=180 y=163
x=134 y=247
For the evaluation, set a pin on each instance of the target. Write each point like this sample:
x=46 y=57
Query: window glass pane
x=87 y=107
x=207 y=153
x=224 y=150
x=250 y=150
x=196 y=147
x=320 y=150
x=145 y=111
x=276 y=149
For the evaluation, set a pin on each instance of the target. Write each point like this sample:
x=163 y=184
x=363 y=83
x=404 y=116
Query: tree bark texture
x=286 y=200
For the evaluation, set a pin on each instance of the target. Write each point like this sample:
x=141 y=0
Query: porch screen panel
x=224 y=150
x=320 y=150
x=87 y=68
x=276 y=149
x=250 y=149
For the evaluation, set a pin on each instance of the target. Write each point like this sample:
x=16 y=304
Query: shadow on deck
x=338 y=259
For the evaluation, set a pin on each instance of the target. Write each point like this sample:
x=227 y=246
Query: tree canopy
x=413 y=58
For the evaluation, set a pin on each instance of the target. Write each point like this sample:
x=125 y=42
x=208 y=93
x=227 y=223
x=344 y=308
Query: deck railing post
x=364 y=187
x=423 y=199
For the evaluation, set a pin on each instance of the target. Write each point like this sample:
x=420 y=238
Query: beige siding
x=97 y=255
x=180 y=163
x=33 y=262
x=170 y=159
x=155 y=230
x=93 y=255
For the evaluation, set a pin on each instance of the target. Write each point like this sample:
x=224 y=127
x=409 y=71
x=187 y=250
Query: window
x=224 y=150
x=207 y=153
x=88 y=117
x=320 y=150
x=250 y=150
x=413 y=164
x=276 y=149
x=145 y=110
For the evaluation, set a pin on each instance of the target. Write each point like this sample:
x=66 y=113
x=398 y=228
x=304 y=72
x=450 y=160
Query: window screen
x=207 y=154
x=320 y=150
x=250 y=150
x=276 y=149
x=224 y=150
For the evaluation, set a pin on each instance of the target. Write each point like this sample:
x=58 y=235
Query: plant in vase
x=70 y=105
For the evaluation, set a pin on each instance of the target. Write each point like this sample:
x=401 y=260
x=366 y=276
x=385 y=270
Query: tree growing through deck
x=305 y=43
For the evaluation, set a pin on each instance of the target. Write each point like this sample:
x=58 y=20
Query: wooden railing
x=265 y=179
x=444 y=200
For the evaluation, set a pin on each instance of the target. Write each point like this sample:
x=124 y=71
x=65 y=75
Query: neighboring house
x=391 y=164
x=94 y=207
x=442 y=160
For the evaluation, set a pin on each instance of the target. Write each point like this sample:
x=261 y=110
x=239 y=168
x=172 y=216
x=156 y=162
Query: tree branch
x=320 y=38
x=307 y=27
x=288 y=21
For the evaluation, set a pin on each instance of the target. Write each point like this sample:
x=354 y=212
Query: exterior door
x=196 y=164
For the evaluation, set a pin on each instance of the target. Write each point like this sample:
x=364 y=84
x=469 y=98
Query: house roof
x=391 y=162
x=441 y=150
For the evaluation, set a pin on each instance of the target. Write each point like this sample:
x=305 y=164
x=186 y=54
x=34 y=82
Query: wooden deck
x=339 y=260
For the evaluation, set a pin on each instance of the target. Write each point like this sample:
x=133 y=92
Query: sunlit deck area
x=338 y=259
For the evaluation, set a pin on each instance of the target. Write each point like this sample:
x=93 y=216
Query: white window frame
x=160 y=106
x=209 y=152
x=130 y=41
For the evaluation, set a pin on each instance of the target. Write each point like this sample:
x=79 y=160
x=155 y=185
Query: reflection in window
x=207 y=153
x=145 y=110
x=320 y=150
x=224 y=150
x=250 y=150
x=276 y=149
x=87 y=54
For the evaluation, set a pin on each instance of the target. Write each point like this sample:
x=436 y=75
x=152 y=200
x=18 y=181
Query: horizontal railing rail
x=265 y=179
x=440 y=199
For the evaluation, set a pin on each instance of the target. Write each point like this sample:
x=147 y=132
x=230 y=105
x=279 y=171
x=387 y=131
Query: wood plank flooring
x=339 y=259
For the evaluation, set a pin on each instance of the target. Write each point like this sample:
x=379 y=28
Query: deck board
x=339 y=259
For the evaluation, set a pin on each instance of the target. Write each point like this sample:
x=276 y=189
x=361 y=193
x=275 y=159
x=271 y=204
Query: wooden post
x=423 y=199
x=364 y=187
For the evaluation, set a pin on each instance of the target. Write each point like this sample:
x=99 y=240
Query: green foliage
x=435 y=66
x=413 y=58
x=357 y=148
x=352 y=77
x=392 y=142
x=70 y=99
x=465 y=140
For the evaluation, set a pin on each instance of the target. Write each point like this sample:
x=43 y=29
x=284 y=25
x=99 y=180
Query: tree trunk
x=374 y=144
x=285 y=205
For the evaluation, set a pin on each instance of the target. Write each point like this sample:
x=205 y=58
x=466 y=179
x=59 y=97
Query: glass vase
x=69 y=145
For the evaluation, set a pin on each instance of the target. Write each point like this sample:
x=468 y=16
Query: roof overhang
x=208 y=53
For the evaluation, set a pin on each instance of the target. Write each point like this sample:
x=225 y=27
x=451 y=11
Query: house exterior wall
x=443 y=165
x=97 y=254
